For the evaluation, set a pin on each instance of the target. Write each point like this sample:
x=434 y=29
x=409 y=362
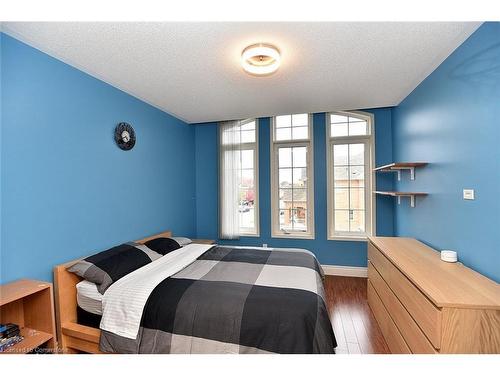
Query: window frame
x=247 y=146
x=275 y=146
x=370 y=201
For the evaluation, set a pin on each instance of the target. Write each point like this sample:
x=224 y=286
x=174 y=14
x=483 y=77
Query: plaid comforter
x=235 y=300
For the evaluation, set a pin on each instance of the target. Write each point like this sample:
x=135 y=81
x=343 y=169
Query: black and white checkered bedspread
x=236 y=300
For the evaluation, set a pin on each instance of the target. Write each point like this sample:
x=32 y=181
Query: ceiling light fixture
x=260 y=59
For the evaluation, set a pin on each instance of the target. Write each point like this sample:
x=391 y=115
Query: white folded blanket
x=123 y=302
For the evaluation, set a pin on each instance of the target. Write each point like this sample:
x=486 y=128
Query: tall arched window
x=350 y=161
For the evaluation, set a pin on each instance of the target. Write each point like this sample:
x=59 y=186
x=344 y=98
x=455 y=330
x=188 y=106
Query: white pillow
x=183 y=241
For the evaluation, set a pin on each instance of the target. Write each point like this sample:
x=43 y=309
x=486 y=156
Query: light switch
x=469 y=194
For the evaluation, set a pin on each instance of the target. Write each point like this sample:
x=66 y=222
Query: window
x=239 y=191
x=292 y=177
x=350 y=165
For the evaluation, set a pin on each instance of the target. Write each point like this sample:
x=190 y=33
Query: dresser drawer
x=394 y=339
x=422 y=310
x=410 y=331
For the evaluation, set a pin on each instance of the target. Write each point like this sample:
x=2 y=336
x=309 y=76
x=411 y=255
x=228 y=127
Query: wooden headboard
x=65 y=300
x=162 y=234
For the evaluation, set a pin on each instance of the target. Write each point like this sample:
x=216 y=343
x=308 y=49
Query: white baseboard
x=345 y=271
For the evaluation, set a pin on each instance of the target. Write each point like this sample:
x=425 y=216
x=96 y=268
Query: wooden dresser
x=425 y=305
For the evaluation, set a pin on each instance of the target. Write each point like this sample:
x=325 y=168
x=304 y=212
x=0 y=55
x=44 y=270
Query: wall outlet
x=469 y=194
x=264 y=245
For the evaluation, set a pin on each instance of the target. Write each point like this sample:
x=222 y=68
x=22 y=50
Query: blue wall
x=328 y=252
x=452 y=120
x=67 y=189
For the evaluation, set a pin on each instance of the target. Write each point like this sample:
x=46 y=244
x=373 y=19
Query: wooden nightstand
x=30 y=304
x=203 y=241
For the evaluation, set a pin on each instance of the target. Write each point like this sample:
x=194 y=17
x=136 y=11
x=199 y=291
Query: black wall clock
x=125 y=136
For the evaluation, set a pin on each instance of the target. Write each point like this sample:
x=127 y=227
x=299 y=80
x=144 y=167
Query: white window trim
x=275 y=231
x=249 y=146
x=370 y=219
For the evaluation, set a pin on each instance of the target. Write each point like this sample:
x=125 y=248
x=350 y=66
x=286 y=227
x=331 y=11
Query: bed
x=200 y=299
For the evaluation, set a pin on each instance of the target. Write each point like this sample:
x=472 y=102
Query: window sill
x=294 y=236
x=249 y=235
x=256 y=235
x=348 y=238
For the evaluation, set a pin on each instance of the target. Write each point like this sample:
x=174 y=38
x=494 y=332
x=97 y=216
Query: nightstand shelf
x=32 y=339
x=29 y=304
x=203 y=241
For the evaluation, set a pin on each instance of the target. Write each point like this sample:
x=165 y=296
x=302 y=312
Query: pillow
x=183 y=241
x=108 y=266
x=163 y=245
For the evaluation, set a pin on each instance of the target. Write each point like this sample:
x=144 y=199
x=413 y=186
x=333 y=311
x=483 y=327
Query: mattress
x=88 y=297
x=90 y=300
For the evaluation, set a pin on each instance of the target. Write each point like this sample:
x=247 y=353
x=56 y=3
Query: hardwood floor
x=354 y=325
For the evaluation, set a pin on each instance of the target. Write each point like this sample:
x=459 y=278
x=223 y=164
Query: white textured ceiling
x=192 y=70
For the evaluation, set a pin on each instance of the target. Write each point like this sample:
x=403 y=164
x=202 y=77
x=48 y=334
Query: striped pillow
x=108 y=266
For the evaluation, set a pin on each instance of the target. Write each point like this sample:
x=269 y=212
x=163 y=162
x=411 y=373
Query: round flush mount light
x=260 y=59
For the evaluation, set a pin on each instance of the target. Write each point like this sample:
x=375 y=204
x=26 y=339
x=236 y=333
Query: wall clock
x=125 y=136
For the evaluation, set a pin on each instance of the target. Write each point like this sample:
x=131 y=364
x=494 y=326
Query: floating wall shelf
x=400 y=194
x=398 y=167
